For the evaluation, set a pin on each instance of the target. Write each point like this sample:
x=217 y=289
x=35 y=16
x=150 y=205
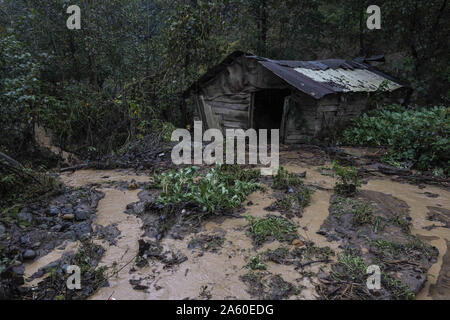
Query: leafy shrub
x=418 y=137
x=347 y=180
x=218 y=188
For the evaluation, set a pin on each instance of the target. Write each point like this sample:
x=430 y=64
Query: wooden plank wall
x=231 y=112
x=310 y=120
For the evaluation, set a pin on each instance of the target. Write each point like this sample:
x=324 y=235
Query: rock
x=302 y=175
x=80 y=215
x=29 y=254
x=19 y=270
x=81 y=229
x=56 y=228
x=25 y=240
x=53 y=211
x=16 y=263
x=36 y=245
x=132 y=185
x=390 y=170
x=25 y=216
x=68 y=217
x=66 y=211
x=431 y=195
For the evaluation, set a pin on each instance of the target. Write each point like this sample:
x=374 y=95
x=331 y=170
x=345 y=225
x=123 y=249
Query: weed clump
x=284 y=179
x=222 y=187
x=350 y=276
x=347 y=180
x=297 y=195
x=260 y=229
x=362 y=211
x=256 y=263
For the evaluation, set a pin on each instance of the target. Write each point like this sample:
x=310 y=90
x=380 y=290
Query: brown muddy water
x=217 y=274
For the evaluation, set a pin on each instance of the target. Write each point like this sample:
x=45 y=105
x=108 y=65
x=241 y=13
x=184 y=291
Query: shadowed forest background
x=123 y=74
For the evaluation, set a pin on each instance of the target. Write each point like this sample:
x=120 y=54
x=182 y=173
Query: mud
x=381 y=238
x=41 y=228
x=185 y=255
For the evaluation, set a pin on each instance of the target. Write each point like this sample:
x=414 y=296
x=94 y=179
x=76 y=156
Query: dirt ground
x=209 y=258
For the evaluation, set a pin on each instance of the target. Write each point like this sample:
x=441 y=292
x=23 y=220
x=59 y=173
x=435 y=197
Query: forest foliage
x=102 y=86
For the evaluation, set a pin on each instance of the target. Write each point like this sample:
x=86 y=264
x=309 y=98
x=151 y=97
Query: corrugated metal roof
x=346 y=80
x=318 y=78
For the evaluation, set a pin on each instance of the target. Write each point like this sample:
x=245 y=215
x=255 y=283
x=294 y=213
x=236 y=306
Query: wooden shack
x=304 y=99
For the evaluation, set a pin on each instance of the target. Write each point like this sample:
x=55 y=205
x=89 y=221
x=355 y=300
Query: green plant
x=362 y=213
x=279 y=228
x=416 y=137
x=218 y=188
x=347 y=180
x=284 y=179
x=256 y=263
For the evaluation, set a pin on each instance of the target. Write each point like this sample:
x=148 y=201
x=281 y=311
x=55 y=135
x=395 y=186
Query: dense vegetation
x=416 y=137
x=100 y=87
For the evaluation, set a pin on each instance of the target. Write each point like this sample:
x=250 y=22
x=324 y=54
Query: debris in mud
x=154 y=250
x=33 y=231
x=374 y=229
x=108 y=234
x=205 y=293
x=153 y=150
x=441 y=215
x=207 y=242
x=292 y=196
x=431 y=195
x=441 y=290
x=136 y=283
x=54 y=287
x=300 y=257
x=173 y=220
x=265 y=286
x=292 y=202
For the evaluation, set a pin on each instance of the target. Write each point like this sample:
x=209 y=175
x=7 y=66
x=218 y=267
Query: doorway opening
x=268 y=108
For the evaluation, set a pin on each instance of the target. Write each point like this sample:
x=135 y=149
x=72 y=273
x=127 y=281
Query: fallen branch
x=10 y=160
x=16 y=167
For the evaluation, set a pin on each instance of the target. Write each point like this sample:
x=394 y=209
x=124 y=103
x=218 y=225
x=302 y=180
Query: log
x=10 y=160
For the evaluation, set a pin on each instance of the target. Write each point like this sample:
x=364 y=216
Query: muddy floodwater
x=217 y=274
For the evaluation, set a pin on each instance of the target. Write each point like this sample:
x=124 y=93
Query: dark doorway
x=268 y=108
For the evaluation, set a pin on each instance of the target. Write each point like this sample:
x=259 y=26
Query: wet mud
x=147 y=254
